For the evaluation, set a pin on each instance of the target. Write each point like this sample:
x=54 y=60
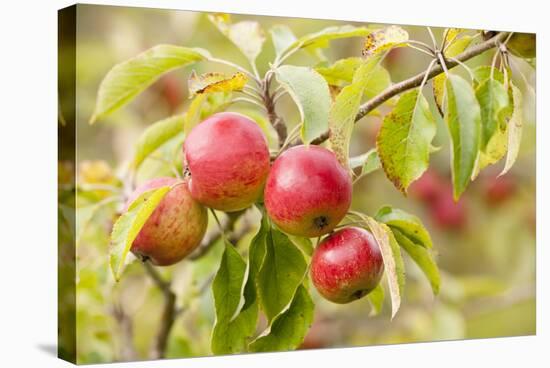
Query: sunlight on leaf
x=155 y=136
x=515 y=127
x=128 y=226
x=129 y=78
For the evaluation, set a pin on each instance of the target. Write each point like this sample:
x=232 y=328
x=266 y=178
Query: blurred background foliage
x=485 y=244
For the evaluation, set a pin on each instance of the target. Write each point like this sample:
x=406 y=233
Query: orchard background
x=483 y=245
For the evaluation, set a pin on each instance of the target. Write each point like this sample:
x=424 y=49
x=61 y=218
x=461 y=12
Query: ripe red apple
x=228 y=158
x=448 y=214
x=523 y=45
x=307 y=192
x=427 y=188
x=499 y=189
x=347 y=265
x=174 y=229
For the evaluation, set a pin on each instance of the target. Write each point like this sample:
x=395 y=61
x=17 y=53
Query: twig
x=127 y=350
x=168 y=316
x=416 y=80
x=211 y=238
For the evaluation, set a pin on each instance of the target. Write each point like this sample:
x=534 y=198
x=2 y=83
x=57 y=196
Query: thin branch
x=168 y=317
x=211 y=238
x=416 y=80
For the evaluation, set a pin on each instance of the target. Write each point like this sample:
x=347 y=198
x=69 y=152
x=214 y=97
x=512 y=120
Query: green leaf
x=515 y=127
x=483 y=72
x=234 y=326
x=463 y=118
x=228 y=284
x=155 y=136
x=368 y=162
x=128 y=79
x=408 y=224
x=310 y=92
x=492 y=98
x=393 y=261
x=384 y=39
x=247 y=35
x=215 y=82
x=128 y=225
x=454 y=48
x=322 y=38
x=341 y=72
x=305 y=244
x=376 y=299
x=288 y=329
x=282 y=271
x=345 y=107
x=404 y=139
x=282 y=38
x=422 y=257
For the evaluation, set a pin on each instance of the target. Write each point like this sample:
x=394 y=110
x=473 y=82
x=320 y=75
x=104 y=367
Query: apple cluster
x=306 y=193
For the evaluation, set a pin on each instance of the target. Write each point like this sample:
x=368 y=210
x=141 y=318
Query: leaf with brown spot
x=215 y=82
x=384 y=39
x=404 y=139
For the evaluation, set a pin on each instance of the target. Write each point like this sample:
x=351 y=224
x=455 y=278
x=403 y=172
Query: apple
x=347 y=265
x=427 y=188
x=228 y=159
x=448 y=214
x=500 y=189
x=174 y=229
x=523 y=45
x=307 y=192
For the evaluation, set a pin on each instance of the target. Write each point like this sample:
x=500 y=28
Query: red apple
x=174 y=229
x=228 y=158
x=448 y=214
x=499 y=189
x=347 y=265
x=307 y=192
x=427 y=188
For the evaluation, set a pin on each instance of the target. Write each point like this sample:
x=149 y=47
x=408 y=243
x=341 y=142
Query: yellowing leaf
x=384 y=39
x=393 y=261
x=493 y=98
x=515 y=127
x=202 y=106
x=215 y=82
x=451 y=34
x=129 y=224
